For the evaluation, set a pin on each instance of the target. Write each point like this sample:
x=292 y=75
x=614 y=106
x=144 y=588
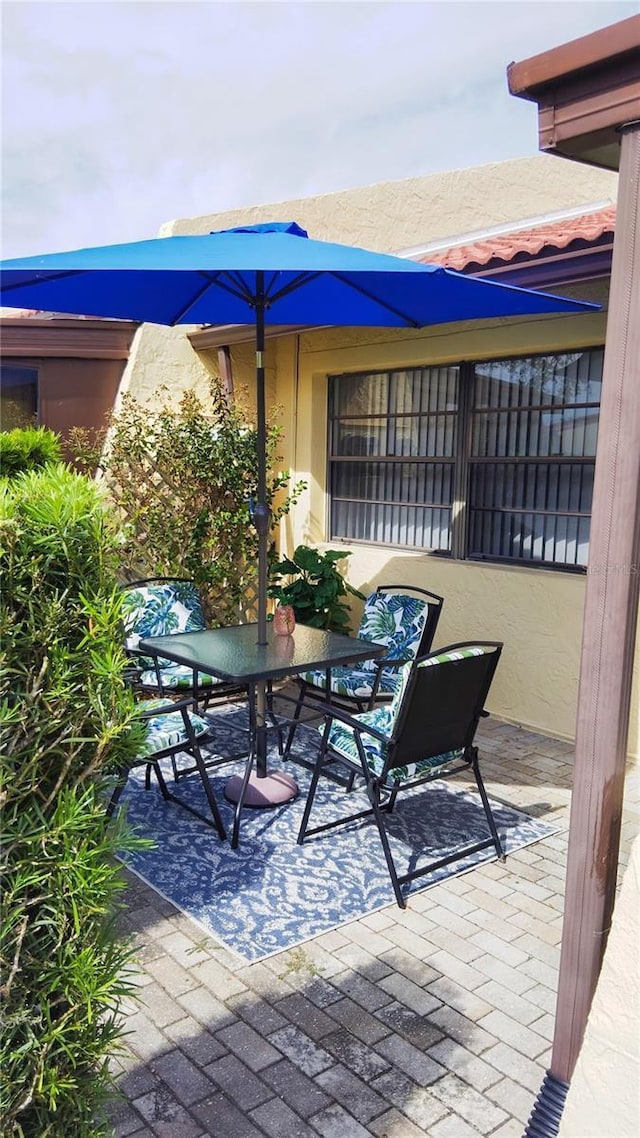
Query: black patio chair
x=426 y=733
x=162 y=606
x=404 y=618
x=172 y=728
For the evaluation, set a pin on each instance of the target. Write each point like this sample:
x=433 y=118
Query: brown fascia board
x=600 y=48
x=585 y=90
x=220 y=335
x=46 y=338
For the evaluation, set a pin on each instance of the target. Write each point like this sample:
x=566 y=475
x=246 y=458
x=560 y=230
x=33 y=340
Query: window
x=19 y=396
x=392 y=456
x=511 y=442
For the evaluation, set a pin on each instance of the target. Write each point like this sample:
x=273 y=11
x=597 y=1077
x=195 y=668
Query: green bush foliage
x=182 y=478
x=312 y=584
x=27 y=448
x=66 y=720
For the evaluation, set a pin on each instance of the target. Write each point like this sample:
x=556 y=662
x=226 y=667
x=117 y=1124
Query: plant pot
x=284 y=620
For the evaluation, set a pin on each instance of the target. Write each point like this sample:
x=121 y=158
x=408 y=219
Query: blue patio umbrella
x=260 y=275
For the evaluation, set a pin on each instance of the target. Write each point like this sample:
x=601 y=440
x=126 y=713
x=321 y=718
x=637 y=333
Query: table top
x=234 y=653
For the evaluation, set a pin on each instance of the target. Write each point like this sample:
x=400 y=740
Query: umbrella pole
x=260 y=789
x=261 y=520
x=262 y=513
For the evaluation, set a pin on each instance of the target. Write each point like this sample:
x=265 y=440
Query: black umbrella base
x=263 y=791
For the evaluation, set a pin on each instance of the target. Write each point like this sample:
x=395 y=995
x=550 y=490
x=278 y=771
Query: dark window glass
x=534 y=428
x=18 y=396
x=392 y=446
x=524 y=481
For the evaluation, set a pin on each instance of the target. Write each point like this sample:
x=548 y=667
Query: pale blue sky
x=118 y=116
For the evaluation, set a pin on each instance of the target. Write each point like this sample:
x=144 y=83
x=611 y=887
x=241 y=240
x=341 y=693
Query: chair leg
x=117 y=791
x=235 y=836
x=296 y=716
x=487 y=806
x=313 y=786
x=374 y=799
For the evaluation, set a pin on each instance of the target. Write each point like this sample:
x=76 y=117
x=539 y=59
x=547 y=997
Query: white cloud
x=120 y=116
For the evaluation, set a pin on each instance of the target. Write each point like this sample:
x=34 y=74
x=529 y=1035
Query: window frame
x=463 y=460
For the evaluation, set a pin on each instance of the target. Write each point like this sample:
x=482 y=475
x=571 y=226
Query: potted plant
x=310 y=583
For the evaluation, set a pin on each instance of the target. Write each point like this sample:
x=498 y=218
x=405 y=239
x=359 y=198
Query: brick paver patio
x=434 y=1021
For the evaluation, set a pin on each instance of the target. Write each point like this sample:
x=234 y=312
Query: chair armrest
x=391 y=662
x=131 y=674
x=173 y=705
x=380 y=664
x=329 y=712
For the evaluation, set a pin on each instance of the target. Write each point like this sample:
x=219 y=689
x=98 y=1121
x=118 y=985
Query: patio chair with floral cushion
x=427 y=732
x=172 y=728
x=404 y=618
x=162 y=606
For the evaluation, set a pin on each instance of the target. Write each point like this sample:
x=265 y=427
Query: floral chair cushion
x=342 y=737
x=396 y=620
x=160 y=608
x=176 y=677
x=167 y=730
x=354 y=683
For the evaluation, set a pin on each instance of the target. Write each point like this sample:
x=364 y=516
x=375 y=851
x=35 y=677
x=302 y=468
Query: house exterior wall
x=80 y=364
x=538 y=613
x=390 y=216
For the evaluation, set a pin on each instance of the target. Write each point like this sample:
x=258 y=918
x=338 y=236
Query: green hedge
x=66 y=721
x=27 y=448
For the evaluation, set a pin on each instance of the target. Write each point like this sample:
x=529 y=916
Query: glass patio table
x=234 y=654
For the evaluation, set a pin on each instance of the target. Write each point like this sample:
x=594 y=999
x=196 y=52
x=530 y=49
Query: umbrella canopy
x=223 y=277
x=262 y=274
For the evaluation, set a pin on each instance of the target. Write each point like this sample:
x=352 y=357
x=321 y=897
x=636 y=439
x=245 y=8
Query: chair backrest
x=440 y=701
x=160 y=606
x=403 y=617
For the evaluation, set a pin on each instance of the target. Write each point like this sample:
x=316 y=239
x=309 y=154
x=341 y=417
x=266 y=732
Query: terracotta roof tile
x=506 y=246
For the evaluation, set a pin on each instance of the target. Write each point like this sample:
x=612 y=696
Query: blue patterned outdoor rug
x=271 y=894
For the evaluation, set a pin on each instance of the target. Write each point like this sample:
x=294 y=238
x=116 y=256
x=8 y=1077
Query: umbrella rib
x=43 y=280
x=212 y=279
x=297 y=282
x=409 y=320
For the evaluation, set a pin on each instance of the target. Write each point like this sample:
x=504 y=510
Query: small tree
x=183 y=479
x=66 y=719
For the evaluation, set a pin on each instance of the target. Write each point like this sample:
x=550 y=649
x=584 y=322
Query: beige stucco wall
x=391 y=216
x=537 y=613
x=603 y=1100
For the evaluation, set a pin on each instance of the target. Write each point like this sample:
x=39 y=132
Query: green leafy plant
x=66 y=721
x=27 y=448
x=312 y=584
x=182 y=478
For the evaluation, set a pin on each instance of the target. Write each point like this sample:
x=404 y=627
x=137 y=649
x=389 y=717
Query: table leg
x=259 y=788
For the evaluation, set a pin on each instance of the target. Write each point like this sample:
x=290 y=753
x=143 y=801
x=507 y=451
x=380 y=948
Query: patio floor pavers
x=434 y=1021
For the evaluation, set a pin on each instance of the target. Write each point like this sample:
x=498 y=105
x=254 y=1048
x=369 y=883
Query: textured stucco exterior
x=391 y=216
x=538 y=613
x=603 y=1100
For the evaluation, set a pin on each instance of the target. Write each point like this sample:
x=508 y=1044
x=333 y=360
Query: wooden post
x=610 y=618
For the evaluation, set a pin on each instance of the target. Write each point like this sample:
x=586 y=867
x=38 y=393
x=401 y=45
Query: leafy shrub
x=311 y=582
x=27 y=448
x=183 y=479
x=66 y=720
